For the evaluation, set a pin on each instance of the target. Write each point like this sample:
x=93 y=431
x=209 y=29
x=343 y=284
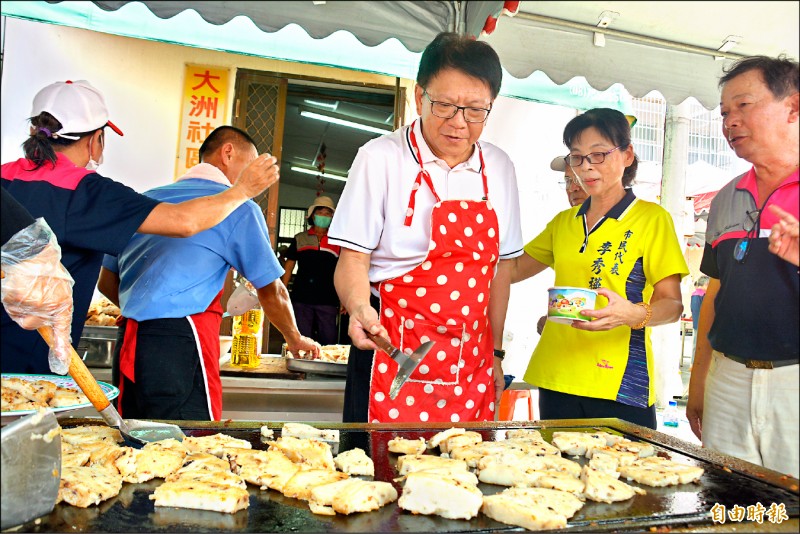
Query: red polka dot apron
x=445 y=299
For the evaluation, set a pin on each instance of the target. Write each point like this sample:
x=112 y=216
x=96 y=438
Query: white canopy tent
x=670 y=47
x=548 y=48
x=649 y=45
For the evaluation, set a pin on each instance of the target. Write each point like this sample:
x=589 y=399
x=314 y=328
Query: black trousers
x=169 y=378
x=356 y=389
x=557 y=405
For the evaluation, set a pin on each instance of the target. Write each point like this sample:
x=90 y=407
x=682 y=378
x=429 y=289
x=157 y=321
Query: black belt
x=761 y=364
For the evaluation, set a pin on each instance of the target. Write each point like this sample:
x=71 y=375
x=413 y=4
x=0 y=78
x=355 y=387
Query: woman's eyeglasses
x=751 y=228
x=595 y=158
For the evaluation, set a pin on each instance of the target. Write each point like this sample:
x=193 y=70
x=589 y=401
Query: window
x=706 y=141
x=291 y=221
x=648 y=133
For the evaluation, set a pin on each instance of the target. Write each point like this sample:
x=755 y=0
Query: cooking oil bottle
x=245 y=351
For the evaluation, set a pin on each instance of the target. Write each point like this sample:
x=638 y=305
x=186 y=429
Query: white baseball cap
x=321 y=202
x=559 y=163
x=78 y=106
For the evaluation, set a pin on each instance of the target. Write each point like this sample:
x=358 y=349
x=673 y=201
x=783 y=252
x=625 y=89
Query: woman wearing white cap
x=90 y=214
x=316 y=305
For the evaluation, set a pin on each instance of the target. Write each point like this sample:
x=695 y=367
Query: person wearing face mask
x=627 y=250
x=316 y=305
x=90 y=214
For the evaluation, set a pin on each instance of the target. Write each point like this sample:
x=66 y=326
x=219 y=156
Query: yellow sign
x=204 y=106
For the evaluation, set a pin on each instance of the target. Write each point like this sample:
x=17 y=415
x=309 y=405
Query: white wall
x=531 y=135
x=142 y=82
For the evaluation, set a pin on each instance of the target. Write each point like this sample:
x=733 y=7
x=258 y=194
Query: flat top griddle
x=726 y=481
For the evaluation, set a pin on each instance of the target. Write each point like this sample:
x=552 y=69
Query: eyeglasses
x=568 y=182
x=444 y=110
x=742 y=246
x=576 y=160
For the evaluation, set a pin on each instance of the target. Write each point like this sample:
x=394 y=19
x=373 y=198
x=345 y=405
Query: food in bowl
x=565 y=304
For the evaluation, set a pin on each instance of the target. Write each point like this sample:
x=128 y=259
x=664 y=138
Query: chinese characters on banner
x=204 y=107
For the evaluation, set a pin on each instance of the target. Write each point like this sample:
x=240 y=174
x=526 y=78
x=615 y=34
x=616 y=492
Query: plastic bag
x=37 y=289
x=242 y=299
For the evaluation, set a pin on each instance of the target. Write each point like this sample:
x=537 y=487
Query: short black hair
x=451 y=50
x=780 y=74
x=222 y=135
x=613 y=125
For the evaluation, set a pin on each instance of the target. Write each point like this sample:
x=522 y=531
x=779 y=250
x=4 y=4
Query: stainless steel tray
x=96 y=345
x=100 y=332
x=316 y=366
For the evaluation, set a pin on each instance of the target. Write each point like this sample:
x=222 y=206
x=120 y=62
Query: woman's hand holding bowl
x=618 y=312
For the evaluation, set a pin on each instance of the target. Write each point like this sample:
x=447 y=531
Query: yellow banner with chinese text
x=203 y=108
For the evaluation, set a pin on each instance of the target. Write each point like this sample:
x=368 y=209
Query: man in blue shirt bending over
x=169 y=292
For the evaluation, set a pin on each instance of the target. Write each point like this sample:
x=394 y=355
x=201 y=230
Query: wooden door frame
x=243 y=78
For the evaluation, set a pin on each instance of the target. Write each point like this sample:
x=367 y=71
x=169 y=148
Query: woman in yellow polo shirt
x=627 y=250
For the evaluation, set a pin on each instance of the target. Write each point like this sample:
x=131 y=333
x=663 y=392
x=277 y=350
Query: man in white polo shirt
x=425 y=222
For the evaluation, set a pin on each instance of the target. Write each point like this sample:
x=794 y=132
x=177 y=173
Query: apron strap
x=483 y=172
x=127 y=355
x=424 y=175
x=421 y=175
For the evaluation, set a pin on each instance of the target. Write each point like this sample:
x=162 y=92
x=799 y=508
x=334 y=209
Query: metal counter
x=686 y=507
x=315 y=398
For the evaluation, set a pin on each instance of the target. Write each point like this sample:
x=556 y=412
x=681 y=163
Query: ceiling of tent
x=663 y=46
x=414 y=24
x=649 y=45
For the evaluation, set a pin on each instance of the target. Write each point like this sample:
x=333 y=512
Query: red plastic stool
x=508 y=401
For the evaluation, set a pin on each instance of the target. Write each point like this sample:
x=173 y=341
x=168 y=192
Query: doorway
x=307 y=123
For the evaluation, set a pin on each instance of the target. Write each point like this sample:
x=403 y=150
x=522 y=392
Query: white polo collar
x=473 y=163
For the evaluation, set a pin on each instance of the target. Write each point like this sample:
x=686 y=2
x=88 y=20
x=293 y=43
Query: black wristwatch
x=499 y=353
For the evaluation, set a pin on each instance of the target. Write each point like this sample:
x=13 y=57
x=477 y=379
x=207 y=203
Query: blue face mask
x=322 y=221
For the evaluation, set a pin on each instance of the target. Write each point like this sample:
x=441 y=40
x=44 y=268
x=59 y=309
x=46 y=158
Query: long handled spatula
x=133 y=430
x=407 y=362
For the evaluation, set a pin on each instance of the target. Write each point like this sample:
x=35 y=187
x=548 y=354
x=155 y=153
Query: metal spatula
x=406 y=362
x=133 y=430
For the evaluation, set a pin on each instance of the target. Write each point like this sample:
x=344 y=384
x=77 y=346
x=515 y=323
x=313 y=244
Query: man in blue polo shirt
x=169 y=292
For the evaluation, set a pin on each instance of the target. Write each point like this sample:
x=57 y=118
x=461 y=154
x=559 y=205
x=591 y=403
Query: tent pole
x=663 y=43
x=457 y=24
